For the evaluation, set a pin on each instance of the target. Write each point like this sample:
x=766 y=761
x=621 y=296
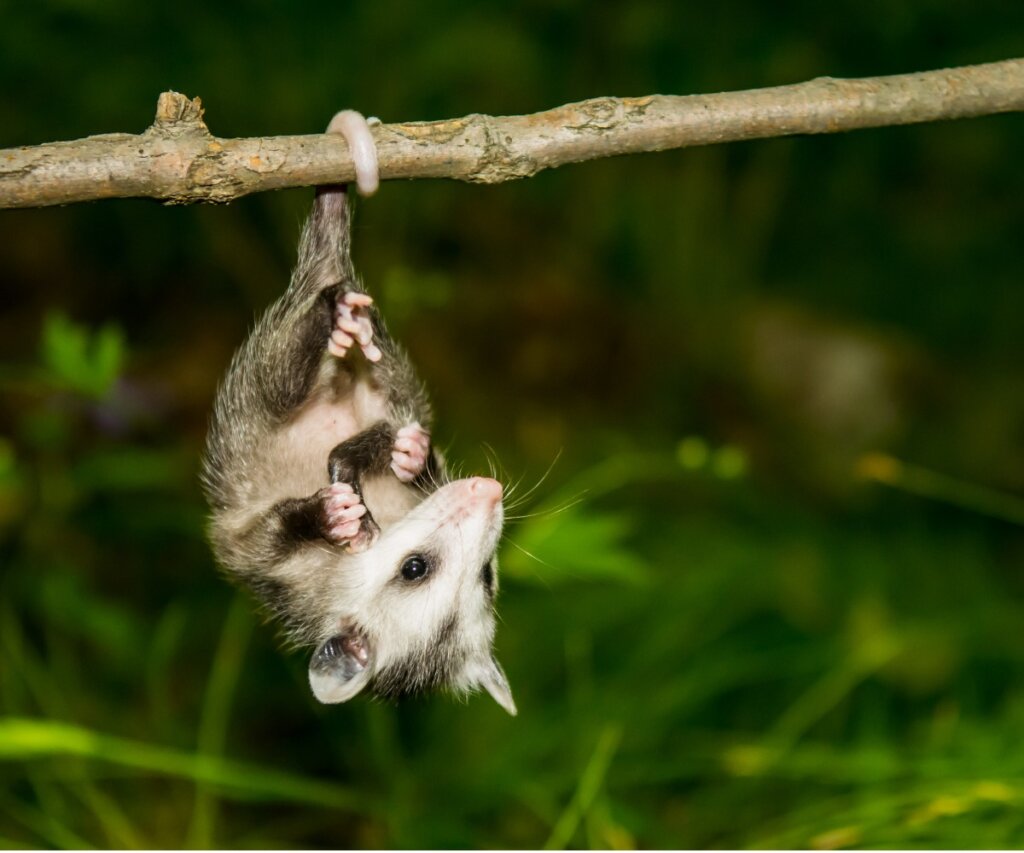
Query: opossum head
x=415 y=611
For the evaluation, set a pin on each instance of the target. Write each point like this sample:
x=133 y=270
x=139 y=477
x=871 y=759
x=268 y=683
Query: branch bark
x=179 y=161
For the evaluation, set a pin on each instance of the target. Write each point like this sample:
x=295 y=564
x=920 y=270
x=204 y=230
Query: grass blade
x=23 y=739
x=213 y=724
x=589 y=786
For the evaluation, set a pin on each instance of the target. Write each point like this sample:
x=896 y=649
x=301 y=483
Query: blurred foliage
x=768 y=591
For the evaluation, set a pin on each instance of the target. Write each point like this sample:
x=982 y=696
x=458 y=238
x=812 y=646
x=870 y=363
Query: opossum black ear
x=340 y=668
x=491 y=678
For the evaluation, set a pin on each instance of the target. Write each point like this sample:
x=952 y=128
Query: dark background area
x=770 y=589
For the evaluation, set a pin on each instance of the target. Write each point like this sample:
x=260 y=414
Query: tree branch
x=179 y=161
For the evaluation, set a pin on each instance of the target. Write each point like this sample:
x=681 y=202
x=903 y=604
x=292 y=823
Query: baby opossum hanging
x=328 y=499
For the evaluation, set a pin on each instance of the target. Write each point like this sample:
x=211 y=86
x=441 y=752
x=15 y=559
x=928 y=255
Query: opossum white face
x=415 y=610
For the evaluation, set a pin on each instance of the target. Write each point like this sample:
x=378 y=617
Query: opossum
x=329 y=501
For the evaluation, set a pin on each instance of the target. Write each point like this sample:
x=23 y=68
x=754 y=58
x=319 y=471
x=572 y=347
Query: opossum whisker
x=532 y=556
x=494 y=460
x=525 y=496
x=513 y=487
x=544 y=513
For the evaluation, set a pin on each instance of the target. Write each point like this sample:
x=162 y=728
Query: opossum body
x=328 y=499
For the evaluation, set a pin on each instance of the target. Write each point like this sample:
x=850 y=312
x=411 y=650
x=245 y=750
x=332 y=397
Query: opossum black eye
x=414 y=568
x=487 y=575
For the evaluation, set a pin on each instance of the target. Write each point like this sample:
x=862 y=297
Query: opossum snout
x=484 y=489
x=474 y=497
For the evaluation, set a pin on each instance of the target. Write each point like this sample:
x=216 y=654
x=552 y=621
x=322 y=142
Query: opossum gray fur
x=329 y=501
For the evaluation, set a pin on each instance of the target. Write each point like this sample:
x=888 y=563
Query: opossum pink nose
x=485 y=489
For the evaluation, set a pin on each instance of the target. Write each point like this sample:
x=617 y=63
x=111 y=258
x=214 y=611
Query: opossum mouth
x=350 y=647
x=357 y=646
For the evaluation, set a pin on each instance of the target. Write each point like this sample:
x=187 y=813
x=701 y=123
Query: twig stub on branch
x=177 y=114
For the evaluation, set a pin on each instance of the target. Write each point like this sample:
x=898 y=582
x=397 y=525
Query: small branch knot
x=499 y=160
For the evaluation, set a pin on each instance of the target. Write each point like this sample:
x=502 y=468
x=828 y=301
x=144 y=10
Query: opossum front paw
x=344 y=513
x=352 y=325
x=409 y=454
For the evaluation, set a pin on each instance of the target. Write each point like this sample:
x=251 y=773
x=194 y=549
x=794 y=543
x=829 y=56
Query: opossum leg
x=278 y=532
x=300 y=519
x=282 y=357
x=332 y=514
x=324 y=298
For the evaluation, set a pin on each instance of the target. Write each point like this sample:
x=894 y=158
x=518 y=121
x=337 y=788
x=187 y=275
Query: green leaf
x=86 y=363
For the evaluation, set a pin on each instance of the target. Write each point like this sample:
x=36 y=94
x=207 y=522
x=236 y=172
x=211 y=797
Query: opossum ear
x=491 y=677
x=340 y=668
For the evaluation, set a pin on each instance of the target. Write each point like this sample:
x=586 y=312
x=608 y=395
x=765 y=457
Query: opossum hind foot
x=352 y=325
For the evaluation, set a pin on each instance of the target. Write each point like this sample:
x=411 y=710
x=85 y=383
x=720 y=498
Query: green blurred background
x=770 y=591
